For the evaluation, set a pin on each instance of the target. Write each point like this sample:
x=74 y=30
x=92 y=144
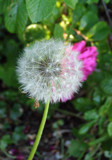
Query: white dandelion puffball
x=50 y=69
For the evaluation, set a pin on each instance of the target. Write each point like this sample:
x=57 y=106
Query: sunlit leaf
x=38 y=10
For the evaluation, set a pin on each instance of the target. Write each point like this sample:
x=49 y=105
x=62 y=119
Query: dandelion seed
x=50 y=69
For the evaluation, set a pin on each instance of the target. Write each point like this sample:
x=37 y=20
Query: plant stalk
x=40 y=131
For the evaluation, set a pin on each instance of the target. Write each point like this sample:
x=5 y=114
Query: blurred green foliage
x=22 y=22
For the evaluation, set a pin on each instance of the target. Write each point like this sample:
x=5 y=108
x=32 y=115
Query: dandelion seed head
x=50 y=69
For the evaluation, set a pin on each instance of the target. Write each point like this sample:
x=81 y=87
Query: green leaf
x=87 y=22
x=7 y=70
x=99 y=31
x=82 y=104
x=85 y=128
x=16 y=17
x=58 y=124
x=10 y=17
x=2 y=109
x=91 y=115
x=5 y=140
x=99 y=140
x=3 y=144
x=106 y=86
x=97 y=97
x=106 y=1
x=10 y=95
x=6 y=126
x=16 y=111
x=58 y=31
x=77 y=148
x=22 y=17
x=88 y=156
x=76 y=132
x=101 y=124
x=76 y=14
x=92 y=1
x=38 y=10
x=109 y=129
x=3 y=5
x=18 y=134
x=71 y=3
x=104 y=109
x=7 y=75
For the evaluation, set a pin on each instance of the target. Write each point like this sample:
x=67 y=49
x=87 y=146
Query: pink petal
x=79 y=46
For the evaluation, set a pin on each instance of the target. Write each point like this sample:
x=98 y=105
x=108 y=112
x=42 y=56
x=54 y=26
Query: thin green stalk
x=8 y=155
x=39 y=134
x=67 y=112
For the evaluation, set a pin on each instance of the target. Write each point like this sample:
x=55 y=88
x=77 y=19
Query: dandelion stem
x=39 y=134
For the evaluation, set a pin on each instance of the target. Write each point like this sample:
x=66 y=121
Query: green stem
x=8 y=155
x=39 y=134
x=67 y=112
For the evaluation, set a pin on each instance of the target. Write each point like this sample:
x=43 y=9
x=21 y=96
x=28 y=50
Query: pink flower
x=20 y=157
x=26 y=130
x=14 y=151
x=64 y=99
x=88 y=55
x=31 y=142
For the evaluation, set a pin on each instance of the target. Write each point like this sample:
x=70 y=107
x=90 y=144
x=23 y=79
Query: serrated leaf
x=38 y=10
x=71 y=3
x=77 y=148
x=22 y=17
x=10 y=17
x=99 y=31
x=16 y=17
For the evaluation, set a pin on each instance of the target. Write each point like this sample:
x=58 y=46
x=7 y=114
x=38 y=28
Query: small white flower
x=50 y=69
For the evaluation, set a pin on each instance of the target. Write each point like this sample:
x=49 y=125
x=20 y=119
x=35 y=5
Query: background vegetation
x=80 y=129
